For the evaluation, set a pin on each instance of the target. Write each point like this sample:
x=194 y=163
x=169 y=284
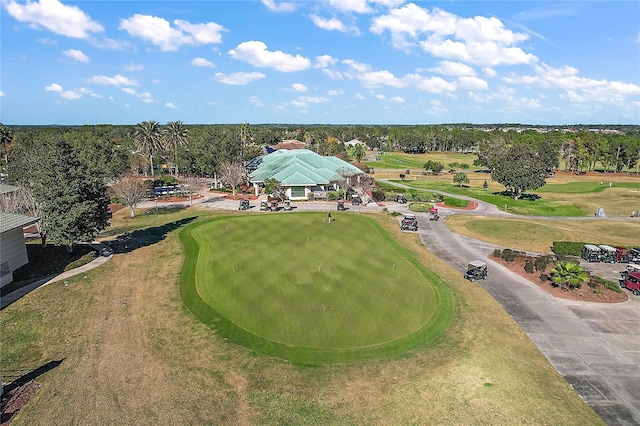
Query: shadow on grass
x=20 y=376
x=131 y=241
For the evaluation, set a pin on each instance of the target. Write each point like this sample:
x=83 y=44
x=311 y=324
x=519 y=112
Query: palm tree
x=569 y=273
x=148 y=137
x=175 y=135
x=358 y=152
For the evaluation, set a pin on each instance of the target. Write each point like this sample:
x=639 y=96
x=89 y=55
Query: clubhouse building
x=303 y=174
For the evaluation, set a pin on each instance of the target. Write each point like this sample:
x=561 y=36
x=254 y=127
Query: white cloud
x=477 y=40
x=508 y=98
x=380 y=78
x=170 y=105
x=357 y=6
x=324 y=61
x=116 y=80
x=256 y=54
x=379 y=96
x=239 y=78
x=281 y=7
x=76 y=55
x=256 y=101
x=144 y=96
x=329 y=24
x=158 y=31
x=472 y=83
x=299 y=87
x=133 y=67
x=69 y=21
x=489 y=72
x=53 y=87
x=1 y=93
x=453 y=69
x=71 y=95
x=202 y=62
x=359 y=96
x=398 y=99
x=312 y=99
x=436 y=107
x=336 y=92
x=577 y=89
x=430 y=84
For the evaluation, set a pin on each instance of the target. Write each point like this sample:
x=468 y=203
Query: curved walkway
x=104 y=254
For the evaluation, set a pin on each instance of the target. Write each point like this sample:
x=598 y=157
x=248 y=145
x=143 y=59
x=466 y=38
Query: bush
x=420 y=207
x=568 y=248
x=596 y=281
x=334 y=195
x=378 y=195
x=508 y=255
x=544 y=278
x=455 y=202
x=497 y=253
x=528 y=266
x=541 y=263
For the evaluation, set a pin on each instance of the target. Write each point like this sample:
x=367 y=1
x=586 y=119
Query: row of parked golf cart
x=607 y=254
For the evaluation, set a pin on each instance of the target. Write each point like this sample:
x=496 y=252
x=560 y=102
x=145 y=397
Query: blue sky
x=333 y=62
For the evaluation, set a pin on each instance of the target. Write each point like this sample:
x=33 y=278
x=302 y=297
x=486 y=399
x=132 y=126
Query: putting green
x=294 y=286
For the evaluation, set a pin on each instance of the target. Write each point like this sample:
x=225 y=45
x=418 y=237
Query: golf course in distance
x=299 y=288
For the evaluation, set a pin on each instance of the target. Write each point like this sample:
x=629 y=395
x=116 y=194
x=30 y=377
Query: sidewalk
x=104 y=254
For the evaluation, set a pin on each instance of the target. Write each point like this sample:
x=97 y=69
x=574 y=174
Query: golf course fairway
x=297 y=287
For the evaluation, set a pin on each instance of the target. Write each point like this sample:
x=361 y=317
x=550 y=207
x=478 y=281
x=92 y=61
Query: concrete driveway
x=595 y=346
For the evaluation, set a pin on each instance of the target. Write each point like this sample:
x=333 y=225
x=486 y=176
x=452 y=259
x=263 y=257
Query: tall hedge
x=568 y=248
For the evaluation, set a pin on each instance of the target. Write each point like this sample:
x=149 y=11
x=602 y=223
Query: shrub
x=541 y=263
x=378 y=195
x=419 y=207
x=455 y=202
x=508 y=255
x=334 y=195
x=497 y=253
x=568 y=248
x=610 y=285
x=528 y=266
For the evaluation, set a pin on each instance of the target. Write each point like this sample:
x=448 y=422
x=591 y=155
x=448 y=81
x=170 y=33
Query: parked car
x=476 y=270
x=244 y=205
x=409 y=223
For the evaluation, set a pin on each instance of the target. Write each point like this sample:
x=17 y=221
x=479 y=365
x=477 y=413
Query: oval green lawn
x=293 y=286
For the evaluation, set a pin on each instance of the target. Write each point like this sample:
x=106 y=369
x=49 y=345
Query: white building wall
x=13 y=251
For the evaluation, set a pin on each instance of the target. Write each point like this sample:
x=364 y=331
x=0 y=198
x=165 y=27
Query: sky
x=319 y=62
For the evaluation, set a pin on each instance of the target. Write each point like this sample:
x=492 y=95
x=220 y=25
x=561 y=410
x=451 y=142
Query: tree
x=6 y=136
x=273 y=186
x=460 y=179
x=175 y=135
x=233 y=174
x=130 y=191
x=519 y=170
x=434 y=167
x=148 y=137
x=358 y=152
x=569 y=274
x=72 y=197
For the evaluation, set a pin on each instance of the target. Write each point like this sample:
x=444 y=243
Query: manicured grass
x=585 y=187
x=323 y=293
x=402 y=161
x=539 y=235
x=133 y=353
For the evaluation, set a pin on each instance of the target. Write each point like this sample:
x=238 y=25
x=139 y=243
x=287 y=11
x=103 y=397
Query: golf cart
x=591 y=253
x=264 y=206
x=355 y=200
x=400 y=198
x=476 y=270
x=409 y=223
x=632 y=282
x=433 y=214
x=635 y=255
x=274 y=206
x=287 y=204
x=244 y=205
x=341 y=206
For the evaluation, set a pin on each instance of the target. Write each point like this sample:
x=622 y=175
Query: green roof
x=10 y=221
x=301 y=167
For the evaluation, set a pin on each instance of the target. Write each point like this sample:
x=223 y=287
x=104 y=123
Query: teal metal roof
x=10 y=221
x=301 y=167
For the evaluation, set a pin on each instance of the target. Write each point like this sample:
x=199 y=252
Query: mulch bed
x=13 y=400
x=585 y=292
x=178 y=199
x=471 y=206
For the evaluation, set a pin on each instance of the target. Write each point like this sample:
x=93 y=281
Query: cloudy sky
x=333 y=62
